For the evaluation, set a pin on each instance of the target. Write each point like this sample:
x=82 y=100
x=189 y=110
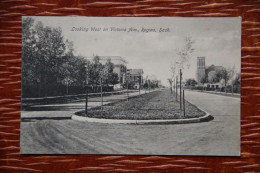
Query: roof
x=135 y=71
x=117 y=60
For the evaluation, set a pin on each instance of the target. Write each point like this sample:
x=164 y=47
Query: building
x=119 y=68
x=201 y=69
x=207 y=73
x=135 y=78
x=213 y=68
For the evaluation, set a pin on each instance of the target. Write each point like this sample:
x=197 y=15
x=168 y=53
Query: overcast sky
x=218 y=39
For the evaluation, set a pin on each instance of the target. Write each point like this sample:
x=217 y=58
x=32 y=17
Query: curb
x=235 y=95
x=204 y=118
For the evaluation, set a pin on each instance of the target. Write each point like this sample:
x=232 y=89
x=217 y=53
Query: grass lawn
x=154 y=105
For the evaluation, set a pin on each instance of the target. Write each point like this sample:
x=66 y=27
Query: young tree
x=109 y=76
x=237 y=82
x=170 y=82
x=95 y=67
x=140 y=74
x=231 y=74
x=184 y=54
x=183 y=60
x=173 y=69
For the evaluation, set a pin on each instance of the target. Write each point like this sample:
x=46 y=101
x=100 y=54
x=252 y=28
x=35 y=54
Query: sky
x=217 y=39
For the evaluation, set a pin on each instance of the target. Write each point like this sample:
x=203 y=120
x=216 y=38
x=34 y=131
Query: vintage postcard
x=135 y=86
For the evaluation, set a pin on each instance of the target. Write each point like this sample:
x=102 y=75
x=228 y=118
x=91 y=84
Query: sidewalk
x=65 y=110
x=66 y=98
x=219 y=93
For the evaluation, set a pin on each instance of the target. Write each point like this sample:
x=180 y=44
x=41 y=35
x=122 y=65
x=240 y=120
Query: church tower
x=200 y=68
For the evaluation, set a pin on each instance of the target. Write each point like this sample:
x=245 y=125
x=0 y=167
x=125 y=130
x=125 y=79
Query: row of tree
x=226 y=77
x=179 y=64
x=49 y=64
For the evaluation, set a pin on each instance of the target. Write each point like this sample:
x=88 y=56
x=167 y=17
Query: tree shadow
x=33 y=119
x=51 y=108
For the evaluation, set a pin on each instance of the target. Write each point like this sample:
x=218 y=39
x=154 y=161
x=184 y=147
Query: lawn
x=150 y=106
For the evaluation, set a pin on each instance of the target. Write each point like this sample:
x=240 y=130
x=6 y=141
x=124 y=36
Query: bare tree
x=231 y=73
x=173 y=74
x=183 y=60
x=170 y=81
x=184 y=54
x=145 y=86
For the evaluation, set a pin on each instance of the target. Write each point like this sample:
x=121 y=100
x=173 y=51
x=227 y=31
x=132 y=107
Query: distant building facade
x=205 y=72
x=119 y=66
x=135 y=77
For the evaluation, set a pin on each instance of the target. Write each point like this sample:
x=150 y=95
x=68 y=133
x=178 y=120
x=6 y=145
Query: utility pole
x=180 y=90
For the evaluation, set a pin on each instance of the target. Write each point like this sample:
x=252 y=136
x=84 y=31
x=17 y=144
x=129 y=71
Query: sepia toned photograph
x=131 y=86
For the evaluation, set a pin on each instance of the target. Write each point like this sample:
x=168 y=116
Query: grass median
x=156 y=105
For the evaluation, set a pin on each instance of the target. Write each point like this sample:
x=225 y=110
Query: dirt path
x=219 y=137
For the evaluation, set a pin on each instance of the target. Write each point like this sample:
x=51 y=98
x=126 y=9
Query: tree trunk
x=101 y=89
x=183 y=98
x=180 y=90
x=176 y=90
x=140 y=86
x=86 y=106
x=225 y=86
x=67 y=89
x=127 y=90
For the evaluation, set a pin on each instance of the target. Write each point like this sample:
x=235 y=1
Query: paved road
x=218 y=137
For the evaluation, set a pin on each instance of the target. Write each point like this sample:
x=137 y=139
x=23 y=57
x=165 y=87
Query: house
x=119 y=68
x=135 y=78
